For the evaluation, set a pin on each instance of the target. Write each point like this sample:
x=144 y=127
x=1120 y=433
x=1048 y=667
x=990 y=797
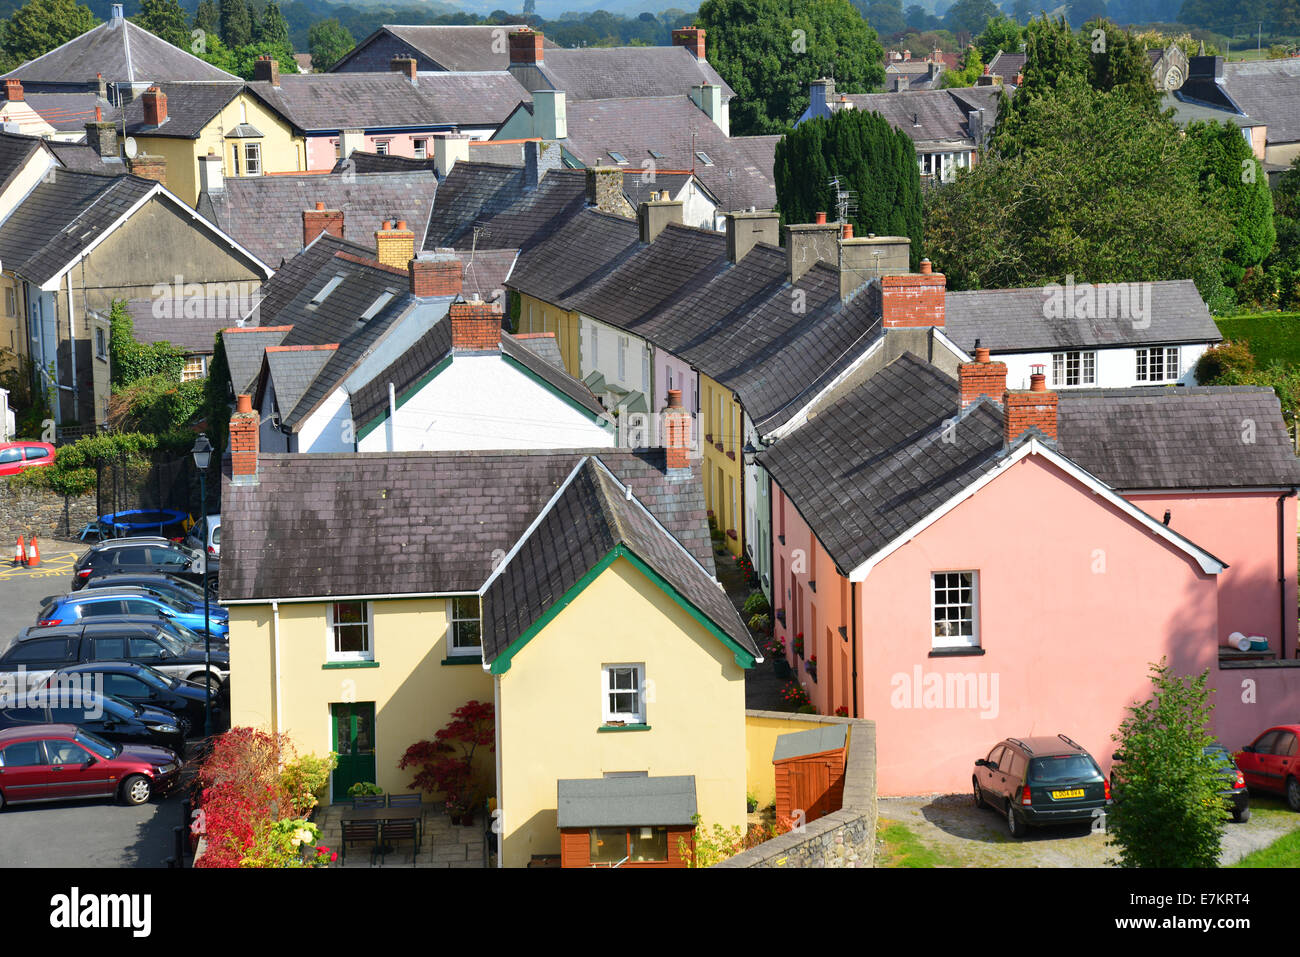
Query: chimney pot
x=320 y=205
x=244 y=403
x=925 y=267
x=1037 y=382
x=981 y=354
x=820 y=219
x=847 y=231
x=321 y=220
x=395 y=244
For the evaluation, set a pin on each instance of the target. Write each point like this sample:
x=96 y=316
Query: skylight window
x=384 y=299
x=328 y=288
x=618 y=158
x=703 y=157
x=656 y=154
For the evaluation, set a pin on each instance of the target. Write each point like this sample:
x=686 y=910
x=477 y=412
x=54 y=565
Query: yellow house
x=535 y=315
x=184 y=122
x=372 y=594
x=723 y=461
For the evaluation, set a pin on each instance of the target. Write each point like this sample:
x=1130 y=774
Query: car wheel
x=1242 y=816
x=2 y=800
x=979 y=795
x=214 y=684
x=1014 y=824
x=213 y=587
x=1293 y=794
x=136 y=789
x=185 y=725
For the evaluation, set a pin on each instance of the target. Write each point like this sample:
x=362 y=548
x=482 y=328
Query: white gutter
x=392 y=418
x=324 y=598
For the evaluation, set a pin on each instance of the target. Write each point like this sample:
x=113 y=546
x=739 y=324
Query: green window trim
x=501 y=664
x=330 y=665
x=463 y=660
x=407 y=394
x=622 y=727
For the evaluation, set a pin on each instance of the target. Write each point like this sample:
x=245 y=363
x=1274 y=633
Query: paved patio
x=444 y=845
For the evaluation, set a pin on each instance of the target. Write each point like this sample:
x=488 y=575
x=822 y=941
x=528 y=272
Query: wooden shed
x=626 y=821
x=809 y=768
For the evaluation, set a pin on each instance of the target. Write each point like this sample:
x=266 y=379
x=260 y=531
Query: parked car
x=17 y=457
x=1271 y=763
x=147 y=687
x=39 y=651
x=1234 y=791
x=128 y=600
x=149 y=553
x=177 y=589
x=59 y=762
x=113 y=720
x=206 y=538
x=1040 y=781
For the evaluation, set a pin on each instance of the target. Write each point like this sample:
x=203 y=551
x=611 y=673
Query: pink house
x=967 y=563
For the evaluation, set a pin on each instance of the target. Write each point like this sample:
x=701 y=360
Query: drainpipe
x=853 y=652
x=498 y=825
x=275 y=647
x=392 y=418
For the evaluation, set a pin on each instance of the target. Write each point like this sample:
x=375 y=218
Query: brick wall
x=475 y=326
x=1021 y=410
x=981 y=377
x=913 y=300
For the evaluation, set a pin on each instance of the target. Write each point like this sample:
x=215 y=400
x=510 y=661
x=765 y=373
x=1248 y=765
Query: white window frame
x=189 y=372
x=1170 y=358
x=947 y=640
x=420 y=148
x=381 y=147
x=252 y=158
x=1087 y=369
x=453 y=649
x=101 y=343
x=331 y=636
x=607 y=688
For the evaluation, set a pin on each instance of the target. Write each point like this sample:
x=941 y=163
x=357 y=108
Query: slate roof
x=485 y=195
x=462 y=48
x=600 y=73
x=15 y=150
x=1007 y=65
x=472 y=99
x=278 y=291
x=931 y=118
x=1189 y=111
x=1268 y=90
x=590 y=518
x=1014 y=320
x=60 y=218
x=361 y=161
x=193 y=334
x=190 y=108
x=1186 y=437
x=576 y=255
x=873 y=463
x=553 y=375
x=264 y=213
x=427 y=522
x=829 y=737
x=70 y=111
x=625 y=801
x=81 y=157
x=245 y=348
x=486 y=272
x=121 y=51
x=741 y=174
x=543 y=345
x=293 y=369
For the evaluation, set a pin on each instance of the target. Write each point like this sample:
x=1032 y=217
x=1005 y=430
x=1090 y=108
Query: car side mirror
x=88 y=762
x=981 y=763
x=1249 y=749
x=1117 y=756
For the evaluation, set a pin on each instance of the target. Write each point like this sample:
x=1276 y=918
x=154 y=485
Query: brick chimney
x=244 y=438
x=677 y=432
x=102 y=138
x=149 y=166
x=475 y=326
x=404 y=65
x=266 y=69
x=436 y=274
x=981 y=377
x=13 y=91
x=809 y=243
x=155 y=107
x=692 y=38
x=654 y=215
x=746 y=230
x=395 y=244
x=913 y=300
x=321 y=220
x=526 y=46
x=1034 y=408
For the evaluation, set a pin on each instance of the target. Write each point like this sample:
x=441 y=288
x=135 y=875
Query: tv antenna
x=846 y=200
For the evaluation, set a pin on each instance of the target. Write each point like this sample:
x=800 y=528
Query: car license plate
x=1066 y=795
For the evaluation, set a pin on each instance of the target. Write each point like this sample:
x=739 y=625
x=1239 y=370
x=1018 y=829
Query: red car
x=16 y=456
x=1271 y=763
x=60 y=762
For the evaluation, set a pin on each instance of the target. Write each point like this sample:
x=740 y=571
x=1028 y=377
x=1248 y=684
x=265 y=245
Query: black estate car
x=1039 y=781
x=147 y=687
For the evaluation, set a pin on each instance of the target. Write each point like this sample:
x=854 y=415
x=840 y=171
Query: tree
x=870 y=157
x=917 y=18
x=1167 y=810
x=1000 y=33
x=236 y=25
x=165 y=19
x=969 y=16
x=41 y=25
x=1117 y=59
x=241 y=61
x=972 y=67
x=275 y=28
x=1081 y=11
x=1096 y=187
x=886 y=16
x=131 y=360
x=328 y=43
x=770 y=51
x=1232 y=179
x=207 y=18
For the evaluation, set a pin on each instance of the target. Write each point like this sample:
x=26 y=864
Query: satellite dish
x=129 y=147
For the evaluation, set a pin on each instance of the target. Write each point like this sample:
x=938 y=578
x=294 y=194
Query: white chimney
x=350 y=141
x=708 y=98
x=115 y=15
x=550 y=120
x=448 y=150
x=211 y=178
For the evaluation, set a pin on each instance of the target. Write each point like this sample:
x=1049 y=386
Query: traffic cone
x=20 y=556
x=33 y=554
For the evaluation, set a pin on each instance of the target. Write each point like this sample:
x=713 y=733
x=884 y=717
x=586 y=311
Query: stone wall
x=41 y=512
x=845 y=838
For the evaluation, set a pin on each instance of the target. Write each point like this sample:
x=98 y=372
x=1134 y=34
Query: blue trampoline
x=138 y=521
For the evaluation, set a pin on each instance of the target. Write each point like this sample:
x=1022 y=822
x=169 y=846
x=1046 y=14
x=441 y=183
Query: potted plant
x=811 y=667
x=798 y=645
x=364 y=789
x=776 y=650
x=446 y=764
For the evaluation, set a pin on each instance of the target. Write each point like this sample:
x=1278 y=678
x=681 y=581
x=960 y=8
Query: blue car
x=102 y=604
x=179 y=591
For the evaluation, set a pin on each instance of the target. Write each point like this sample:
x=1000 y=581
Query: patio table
x=383 y=814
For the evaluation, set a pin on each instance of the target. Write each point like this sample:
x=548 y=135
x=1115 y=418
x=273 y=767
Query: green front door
x=354 y=742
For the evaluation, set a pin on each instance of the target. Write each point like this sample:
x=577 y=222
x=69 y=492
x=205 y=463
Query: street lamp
x=202 y=453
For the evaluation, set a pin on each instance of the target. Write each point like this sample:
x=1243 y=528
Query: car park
x=177 y=589
x=112 y=719
x=206 y=538
x=1233 y=791
x=142 y=685
x=146 y=553
x=17 y=457
x=1272 y=763
x=59 y=762
x=37 y=652
x=1040 y=781
x=95 y=603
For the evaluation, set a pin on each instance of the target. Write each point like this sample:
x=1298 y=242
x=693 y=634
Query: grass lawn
x=1284 y=852
x=1272 y=336
x=902 y=848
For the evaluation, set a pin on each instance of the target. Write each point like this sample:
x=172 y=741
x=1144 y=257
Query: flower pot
x=782 y=667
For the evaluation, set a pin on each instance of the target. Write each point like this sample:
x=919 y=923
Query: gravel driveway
x=957 y=834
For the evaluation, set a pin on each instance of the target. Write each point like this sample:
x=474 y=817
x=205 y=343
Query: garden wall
x=41 y=512
x=844 y=838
